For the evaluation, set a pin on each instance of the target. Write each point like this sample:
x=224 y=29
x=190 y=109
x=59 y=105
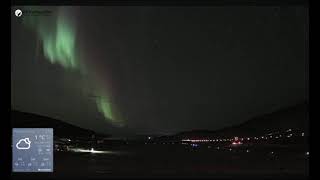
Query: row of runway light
x=265 y=137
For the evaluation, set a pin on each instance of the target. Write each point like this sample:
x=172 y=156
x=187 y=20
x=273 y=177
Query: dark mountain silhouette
x=295 y=117
x=60 y=128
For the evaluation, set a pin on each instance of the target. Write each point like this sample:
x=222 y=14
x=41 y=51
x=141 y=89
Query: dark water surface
x=181 y=161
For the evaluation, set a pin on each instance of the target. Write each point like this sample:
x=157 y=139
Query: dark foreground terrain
x=181 y=161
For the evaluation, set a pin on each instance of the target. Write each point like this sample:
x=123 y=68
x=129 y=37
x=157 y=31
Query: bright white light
x=149 y=137
x=89 y=151
x=307 y=153
x=302 y=134
x=248 y=139
x=248 y=150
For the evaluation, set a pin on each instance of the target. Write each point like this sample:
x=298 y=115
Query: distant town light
x=248 y=150
x=307 y=153
x=149 y=137
x=248 y=139
x=230 y=149
x=302 y=134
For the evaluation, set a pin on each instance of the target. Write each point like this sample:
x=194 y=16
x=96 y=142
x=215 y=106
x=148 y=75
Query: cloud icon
x=23 y=144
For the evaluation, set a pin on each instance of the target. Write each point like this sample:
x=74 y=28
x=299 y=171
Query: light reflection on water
x=79 y=150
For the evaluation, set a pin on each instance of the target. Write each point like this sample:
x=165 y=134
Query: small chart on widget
x=32 y=150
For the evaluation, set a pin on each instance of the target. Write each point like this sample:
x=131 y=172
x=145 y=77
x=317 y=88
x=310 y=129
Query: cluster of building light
x=236 y=143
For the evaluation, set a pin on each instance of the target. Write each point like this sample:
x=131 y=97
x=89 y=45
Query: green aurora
x=57 y=35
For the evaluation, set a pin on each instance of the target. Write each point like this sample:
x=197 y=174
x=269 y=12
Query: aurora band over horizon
x=58 y=40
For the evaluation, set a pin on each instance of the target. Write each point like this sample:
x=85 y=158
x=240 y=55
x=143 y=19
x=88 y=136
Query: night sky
x=158 y=69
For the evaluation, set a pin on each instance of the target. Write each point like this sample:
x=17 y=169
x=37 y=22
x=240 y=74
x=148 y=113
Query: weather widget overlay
x=32 y=150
